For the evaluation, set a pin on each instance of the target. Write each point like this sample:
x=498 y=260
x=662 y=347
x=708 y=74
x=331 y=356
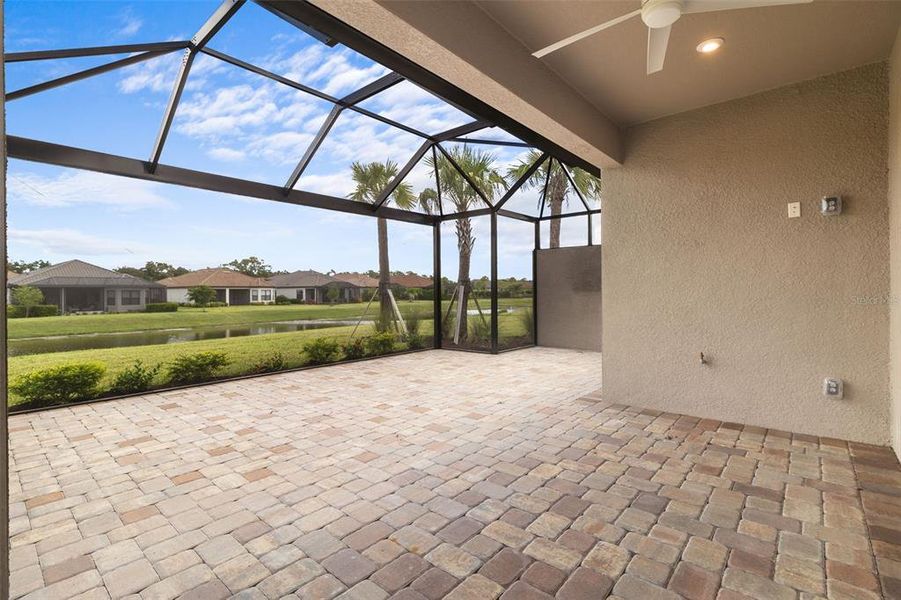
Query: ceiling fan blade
x=657 y=42
x=584 y=34
x=702 y=6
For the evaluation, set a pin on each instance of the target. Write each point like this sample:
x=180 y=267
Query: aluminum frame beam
x=371 y=89
x=405 y=170
x=450 y=134
x=465 y=176
x=92 y=72
x=225 y=11
x=521 y=181
x=94 y=51
x=90 y=160
x=314 y=146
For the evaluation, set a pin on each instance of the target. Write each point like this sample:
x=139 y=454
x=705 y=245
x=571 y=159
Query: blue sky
x=230 y=122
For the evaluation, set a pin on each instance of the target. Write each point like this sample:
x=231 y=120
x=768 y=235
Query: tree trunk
x=465 y=243
x=556 y=194
x=385 y=313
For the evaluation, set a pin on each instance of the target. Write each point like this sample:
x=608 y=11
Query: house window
x=131 y=297
x=298 y=294
x=266 y=295
x=110 y=297
x=254 y=295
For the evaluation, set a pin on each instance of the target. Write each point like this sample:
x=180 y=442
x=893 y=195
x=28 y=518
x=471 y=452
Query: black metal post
x=436 y=285
x=535 y=282
x=589 y=229
x=494 y=327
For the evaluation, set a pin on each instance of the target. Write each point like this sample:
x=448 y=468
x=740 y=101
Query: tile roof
x=219 y=277
x=411 y=281
x=302 y=279
x=74 y=273
x=358 y=279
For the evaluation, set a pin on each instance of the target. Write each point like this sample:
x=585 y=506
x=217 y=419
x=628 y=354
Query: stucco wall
x=569 y=298
x=699 y=256
x=894 y=162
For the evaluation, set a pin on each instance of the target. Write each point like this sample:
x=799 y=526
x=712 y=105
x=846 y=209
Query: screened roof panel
x=43 y=25
x=261 y=38
x=129 y=101
x=418 y=190
x=356 y=138
x=415 y=107
x=493 y=134
x=234 y=122
x=20 y=75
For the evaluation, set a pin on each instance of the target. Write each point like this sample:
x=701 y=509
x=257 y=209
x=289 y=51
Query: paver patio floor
x=440 y=474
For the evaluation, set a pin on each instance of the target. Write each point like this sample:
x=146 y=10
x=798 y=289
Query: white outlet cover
x=794 y=210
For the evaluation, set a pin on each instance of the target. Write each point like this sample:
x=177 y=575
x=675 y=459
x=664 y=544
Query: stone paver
x=440 y=475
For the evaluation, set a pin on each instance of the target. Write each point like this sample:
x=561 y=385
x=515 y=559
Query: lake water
x=41 y=345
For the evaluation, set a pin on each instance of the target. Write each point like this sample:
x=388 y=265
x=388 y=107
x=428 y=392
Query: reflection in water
x=92 y=341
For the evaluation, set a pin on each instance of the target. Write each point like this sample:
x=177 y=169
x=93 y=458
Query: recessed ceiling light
x=711 y=45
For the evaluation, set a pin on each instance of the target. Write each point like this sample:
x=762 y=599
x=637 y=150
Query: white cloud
x=81 y=188
x=335 y=72
x=71 y=242
x=226 y=154
x=129 y=25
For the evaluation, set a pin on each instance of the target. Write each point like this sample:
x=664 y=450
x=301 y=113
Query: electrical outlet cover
x=794 y=210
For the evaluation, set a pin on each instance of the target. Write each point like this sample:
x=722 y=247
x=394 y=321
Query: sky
x=229 y=122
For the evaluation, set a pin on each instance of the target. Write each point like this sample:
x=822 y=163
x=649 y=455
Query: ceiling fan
x=659 y=16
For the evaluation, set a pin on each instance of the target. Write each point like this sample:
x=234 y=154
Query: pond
x=90 y=341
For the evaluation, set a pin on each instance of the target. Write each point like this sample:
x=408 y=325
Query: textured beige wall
x=569 y=298
x=894 y=162
x=699 y=255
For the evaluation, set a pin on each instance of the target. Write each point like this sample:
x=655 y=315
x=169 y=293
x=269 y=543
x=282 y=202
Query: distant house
x=77 y=286
x=312 y=287
x=231 y=287
x=411 y=282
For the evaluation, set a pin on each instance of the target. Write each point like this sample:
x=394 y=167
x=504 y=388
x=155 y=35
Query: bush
x=272 y=363
x=414 y=322
x=321 y=351
x=58 y=385
x=354 y=349
x=479 y=329
x=528 y=323
x=136 y=378
x=17 y=311
x=282 y=299
x=193 y=368
x=156 y=307
x=414 y=341
x=380 y=343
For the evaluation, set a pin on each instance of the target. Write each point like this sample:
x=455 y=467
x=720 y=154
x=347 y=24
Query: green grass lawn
x=194 y=317
x=243 y=353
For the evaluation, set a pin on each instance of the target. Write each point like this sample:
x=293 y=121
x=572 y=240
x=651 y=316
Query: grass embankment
x=244 y=353
x=227 y=315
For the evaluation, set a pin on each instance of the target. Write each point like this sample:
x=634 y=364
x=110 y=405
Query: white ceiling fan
x=659 y=16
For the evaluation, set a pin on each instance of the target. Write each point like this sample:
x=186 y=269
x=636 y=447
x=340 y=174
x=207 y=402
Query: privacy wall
x=700 y=256
x=569 y=297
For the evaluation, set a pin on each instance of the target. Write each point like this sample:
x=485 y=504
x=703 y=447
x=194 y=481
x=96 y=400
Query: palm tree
x=558 y=187
x=479 y=166
x=371 y=179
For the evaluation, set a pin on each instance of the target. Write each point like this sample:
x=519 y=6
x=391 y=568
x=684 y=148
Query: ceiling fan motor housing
x=657 y=14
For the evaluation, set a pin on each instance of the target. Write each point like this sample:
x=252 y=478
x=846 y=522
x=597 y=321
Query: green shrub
x=193 y=368
x=354 y=349
x=414 y=322
x=17 y=311
x=272 y=363
x=282 y=299
x=380 y=343
x=58 y=385
x=321 y=351
x=414 y=341
x=479 y=329
x=528 y=323
x=136 y=378
x=155 y=307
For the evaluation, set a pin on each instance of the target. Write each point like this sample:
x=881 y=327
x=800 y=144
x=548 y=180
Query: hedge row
x=155 y=307
x=16 y=311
